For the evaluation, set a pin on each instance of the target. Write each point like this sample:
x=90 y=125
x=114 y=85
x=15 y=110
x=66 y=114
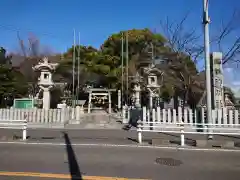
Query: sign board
x=24 y=103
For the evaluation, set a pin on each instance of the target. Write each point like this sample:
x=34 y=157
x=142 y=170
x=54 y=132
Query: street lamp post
x=206 y=22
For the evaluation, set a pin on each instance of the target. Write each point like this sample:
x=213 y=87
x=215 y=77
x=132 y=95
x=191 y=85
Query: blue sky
x=53 y=21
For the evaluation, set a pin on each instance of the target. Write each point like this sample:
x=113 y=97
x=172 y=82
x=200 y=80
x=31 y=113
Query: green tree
x=138 y=40
x=12 y=82
x=107 y=67
x=4 y=58
x=65 y=69
x=95 y=66
x=104 y=66
x=143 y=44
x=182 y=74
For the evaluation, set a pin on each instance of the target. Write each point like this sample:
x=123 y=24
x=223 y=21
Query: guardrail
x=187 y=121
x=15 y=124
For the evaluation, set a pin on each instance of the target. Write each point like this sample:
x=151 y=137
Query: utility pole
x=73 y=70
x=127 y=67
x=122 y=58
x=206 y=22
x=78 y=63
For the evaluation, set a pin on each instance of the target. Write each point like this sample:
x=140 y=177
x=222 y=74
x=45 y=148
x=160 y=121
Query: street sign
x=23 y=103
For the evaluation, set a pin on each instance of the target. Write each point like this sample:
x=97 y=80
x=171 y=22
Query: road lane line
x=59 y=176
x=123 y=145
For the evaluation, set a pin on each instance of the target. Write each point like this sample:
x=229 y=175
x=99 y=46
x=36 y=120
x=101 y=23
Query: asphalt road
x=128 y=162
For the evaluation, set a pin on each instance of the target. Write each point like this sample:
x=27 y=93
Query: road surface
x=23 y=161
x=101 y=136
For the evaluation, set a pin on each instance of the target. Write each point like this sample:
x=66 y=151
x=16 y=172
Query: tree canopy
x=103 y=67
x=12 y=82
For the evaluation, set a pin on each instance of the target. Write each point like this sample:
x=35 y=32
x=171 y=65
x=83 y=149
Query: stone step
x=45 y=125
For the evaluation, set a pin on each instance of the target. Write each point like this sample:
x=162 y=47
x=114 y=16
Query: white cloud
x=232 y=78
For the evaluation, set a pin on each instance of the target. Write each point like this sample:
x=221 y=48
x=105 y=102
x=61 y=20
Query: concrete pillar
x=46 y=98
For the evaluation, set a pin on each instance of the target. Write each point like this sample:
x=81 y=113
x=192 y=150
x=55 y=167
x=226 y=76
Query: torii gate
x=103 y=93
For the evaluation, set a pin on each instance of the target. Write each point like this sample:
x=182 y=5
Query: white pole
x=89 y=101
x=73 y=70
x=78 y=68
x=119 y=99
x=122 y=71
x=24 y=135
x=206 y=22
x=139 y=135
x=182 y=138
x=127 y=68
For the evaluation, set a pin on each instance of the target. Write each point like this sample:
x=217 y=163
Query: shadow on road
x=72 y=161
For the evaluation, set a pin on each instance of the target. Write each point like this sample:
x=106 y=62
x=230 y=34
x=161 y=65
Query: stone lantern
x=137 y=80
x=154 y=80
x=45 y=81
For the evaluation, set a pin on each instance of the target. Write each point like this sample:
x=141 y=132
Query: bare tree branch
x=186 y=41
x=180 y=39
x=228 y=40
x=33 y=48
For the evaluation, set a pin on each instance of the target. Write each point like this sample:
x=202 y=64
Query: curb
x=124 y=146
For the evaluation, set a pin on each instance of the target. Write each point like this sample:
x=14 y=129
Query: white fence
x=187 y=121
x=39 y=115
x=191 y=117
x=57 y=117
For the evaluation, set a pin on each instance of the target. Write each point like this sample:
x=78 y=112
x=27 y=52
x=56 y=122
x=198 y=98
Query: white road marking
x=123 y=145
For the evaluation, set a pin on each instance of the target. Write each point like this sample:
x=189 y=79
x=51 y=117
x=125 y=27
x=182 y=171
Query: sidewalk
x=76 y=135
x=103 y=136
